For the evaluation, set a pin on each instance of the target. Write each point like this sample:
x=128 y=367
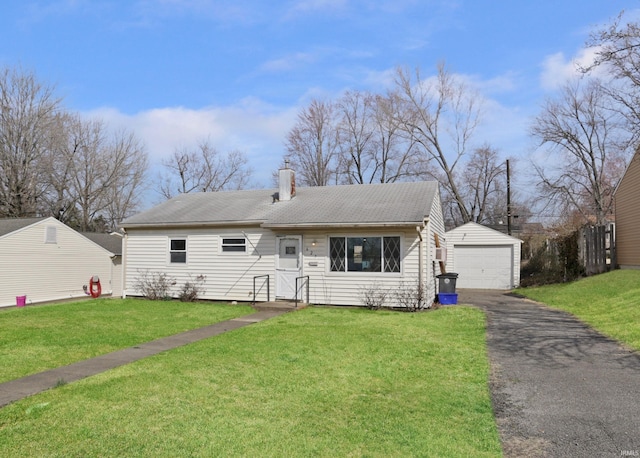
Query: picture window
x=364 y=254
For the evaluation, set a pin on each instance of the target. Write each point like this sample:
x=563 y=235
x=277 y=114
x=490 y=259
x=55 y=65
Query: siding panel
x=627 y=202
x=229 y=276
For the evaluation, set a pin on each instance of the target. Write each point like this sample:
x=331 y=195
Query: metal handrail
x=254 y=287
x=298 y=289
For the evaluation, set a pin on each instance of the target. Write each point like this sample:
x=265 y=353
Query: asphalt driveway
x=558 y=387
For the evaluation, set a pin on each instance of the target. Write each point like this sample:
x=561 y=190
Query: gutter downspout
x=420 y=260
x=124 y=263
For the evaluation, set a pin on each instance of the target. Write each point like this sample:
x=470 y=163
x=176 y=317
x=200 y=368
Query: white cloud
x=37 y=12
x=557 y=70
x=312 y=6
x=500 y=84
x=253 y=127
x=287 y=63
x=380 y=80
x=505 y=127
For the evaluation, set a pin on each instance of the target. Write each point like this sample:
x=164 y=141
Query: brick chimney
x=287 y=183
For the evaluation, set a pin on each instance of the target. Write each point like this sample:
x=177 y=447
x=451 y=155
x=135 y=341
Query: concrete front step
x=279 y=305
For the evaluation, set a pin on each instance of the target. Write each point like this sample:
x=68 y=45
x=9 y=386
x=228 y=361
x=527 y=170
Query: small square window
x=178 y=251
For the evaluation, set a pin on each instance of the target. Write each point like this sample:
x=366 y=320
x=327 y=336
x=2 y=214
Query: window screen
x=234 y=244
x=178 y=251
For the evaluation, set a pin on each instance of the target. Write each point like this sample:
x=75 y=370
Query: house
x=483 y=258
x=626 y=198
x=45 y=260
x=335 y=240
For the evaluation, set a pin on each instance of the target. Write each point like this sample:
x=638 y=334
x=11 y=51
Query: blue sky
x=237 y=72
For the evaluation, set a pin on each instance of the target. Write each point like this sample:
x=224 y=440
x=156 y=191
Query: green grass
x=316 y=382
x=34 y=339
x=609 y=303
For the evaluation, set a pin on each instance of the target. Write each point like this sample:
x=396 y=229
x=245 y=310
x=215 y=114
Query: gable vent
x=51 y=234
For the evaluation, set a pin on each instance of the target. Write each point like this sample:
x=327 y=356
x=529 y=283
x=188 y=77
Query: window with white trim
x=178 y=251
x=234 y=244
x=364 y=254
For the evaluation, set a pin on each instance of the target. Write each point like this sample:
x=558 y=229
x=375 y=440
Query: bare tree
x=355 y=133
x=84 y=153
x=440 y=115
x=588 y=144
x=484 y=185
x=129 y=164
x=313 y=144
x=618 y=52
x=203 y=170
x=95 y=177
x=57 y=201
x=27 y=113
x=396 y=157
x=371 y=143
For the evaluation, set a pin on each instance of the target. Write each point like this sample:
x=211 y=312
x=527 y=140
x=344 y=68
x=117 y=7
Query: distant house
x=627 y=205
x=343 y=239
x=45 y=260
x=483 y=258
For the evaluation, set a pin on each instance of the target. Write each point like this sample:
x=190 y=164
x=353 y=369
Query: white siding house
x=45 y=260
x=483 y=258
x=341 y=239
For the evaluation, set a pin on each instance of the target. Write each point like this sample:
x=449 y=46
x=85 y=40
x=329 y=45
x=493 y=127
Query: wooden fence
x=597 y=248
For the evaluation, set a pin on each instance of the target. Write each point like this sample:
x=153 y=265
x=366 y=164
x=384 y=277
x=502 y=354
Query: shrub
x=373 y=296
x=155 y=286
x=556 y=261
x=192 y=289
x=411 y=296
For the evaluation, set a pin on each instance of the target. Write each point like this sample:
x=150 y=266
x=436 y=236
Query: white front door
x=288 y=266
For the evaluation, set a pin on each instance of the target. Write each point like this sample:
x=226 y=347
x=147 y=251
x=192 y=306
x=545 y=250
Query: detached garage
x=483 y=258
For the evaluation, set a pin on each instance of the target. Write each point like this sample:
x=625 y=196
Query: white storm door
x=288 y=266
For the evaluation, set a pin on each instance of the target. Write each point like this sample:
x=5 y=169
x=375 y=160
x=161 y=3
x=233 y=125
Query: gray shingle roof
x=9 y=225
x=375 y=204
x=112 y=243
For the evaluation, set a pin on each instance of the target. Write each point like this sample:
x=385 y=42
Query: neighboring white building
x=45 y=260
x=343 y=238
x=113 y=244
x=483 y=258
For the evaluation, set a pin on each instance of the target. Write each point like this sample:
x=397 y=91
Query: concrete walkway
x=15 y=390
x=558 y=387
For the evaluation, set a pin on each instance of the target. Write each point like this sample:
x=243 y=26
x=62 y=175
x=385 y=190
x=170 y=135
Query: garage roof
x=9 y=225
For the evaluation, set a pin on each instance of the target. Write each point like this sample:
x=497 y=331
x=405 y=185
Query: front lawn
x=316 y=382
x=37 y=338
x=608 y=302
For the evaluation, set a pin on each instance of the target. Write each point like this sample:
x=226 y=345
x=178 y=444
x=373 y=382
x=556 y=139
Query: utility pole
x=508 y=200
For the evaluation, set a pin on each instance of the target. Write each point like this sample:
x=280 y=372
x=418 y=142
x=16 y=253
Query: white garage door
x=484 y=267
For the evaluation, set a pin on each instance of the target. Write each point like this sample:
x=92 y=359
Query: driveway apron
x=558 y=387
